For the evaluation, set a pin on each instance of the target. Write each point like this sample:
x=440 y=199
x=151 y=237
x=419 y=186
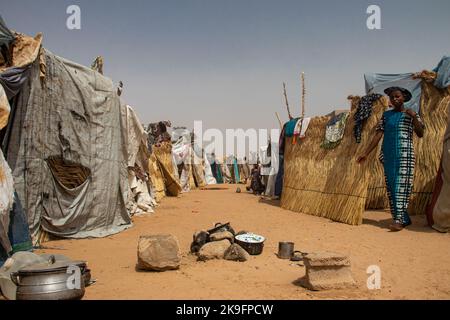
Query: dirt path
x=415 y=263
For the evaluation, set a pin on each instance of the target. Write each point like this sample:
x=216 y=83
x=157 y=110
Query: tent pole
x=303 y=94
x=279 y=120
x=286 y=100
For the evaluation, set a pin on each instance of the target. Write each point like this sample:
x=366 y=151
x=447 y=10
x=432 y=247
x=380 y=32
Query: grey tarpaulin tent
x=67 y=151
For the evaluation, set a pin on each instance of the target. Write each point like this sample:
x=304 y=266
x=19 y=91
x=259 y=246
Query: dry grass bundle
x=164 y=155
x=156 y=178
x=329 y=183
x=199 y=176
x=71 y=175
x=376 y=194
x=172 y=184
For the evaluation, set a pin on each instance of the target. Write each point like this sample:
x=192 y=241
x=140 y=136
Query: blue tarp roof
x=443 y=73
x=378 y=82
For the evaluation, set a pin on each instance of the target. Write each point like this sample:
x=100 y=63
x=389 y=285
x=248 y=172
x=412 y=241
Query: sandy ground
x=415 y=263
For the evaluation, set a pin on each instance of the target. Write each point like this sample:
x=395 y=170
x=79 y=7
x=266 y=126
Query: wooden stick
x=279 y=120
x=286 y=100
x=303 y=95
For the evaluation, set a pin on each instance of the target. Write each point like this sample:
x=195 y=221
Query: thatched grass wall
x=329 y=183
x=376 y=194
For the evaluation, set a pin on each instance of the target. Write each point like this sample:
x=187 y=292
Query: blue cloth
x=280 y=175
x=290 y=126
x=215 y=168
x=443 y=73
x=237 y=177
x=378 y=82
x=18 y=232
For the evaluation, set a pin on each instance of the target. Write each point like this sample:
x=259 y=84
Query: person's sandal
x=396 y=226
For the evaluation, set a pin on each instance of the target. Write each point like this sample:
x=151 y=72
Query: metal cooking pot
x=51 y=281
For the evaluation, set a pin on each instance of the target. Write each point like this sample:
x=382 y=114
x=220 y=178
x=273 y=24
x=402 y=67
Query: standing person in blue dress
x=397 y=153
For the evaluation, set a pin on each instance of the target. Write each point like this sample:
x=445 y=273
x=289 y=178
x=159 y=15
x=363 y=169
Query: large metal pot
x=51 y=281
x=252 y=243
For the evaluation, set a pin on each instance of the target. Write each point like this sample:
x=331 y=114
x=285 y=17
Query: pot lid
x=250 y=238
x=57 y=266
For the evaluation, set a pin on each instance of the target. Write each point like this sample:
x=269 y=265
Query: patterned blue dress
x=397 y=156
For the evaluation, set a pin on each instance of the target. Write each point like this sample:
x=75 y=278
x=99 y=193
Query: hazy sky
x=224 y=61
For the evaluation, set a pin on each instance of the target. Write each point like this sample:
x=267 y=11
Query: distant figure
x=397 y=153
x=120 y=88
x=256 y=184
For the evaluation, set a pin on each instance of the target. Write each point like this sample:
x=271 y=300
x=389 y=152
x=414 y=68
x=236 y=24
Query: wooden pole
x=303 y=95
x=279 y=120
x=286 y=100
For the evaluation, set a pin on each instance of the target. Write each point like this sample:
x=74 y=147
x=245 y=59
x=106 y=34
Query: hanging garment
x=397 y=156
x=363 y=112
x=290 y=126
x=335 y=131
x=280 y=177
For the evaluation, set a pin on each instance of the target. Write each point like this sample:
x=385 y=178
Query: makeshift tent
x=182 y=152
x=329 y=183
x=139 y=198
x=66 y=147
x=209 y=177
x=198 y=168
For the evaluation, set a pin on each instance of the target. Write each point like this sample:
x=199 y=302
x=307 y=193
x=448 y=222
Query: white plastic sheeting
x=6 y=180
